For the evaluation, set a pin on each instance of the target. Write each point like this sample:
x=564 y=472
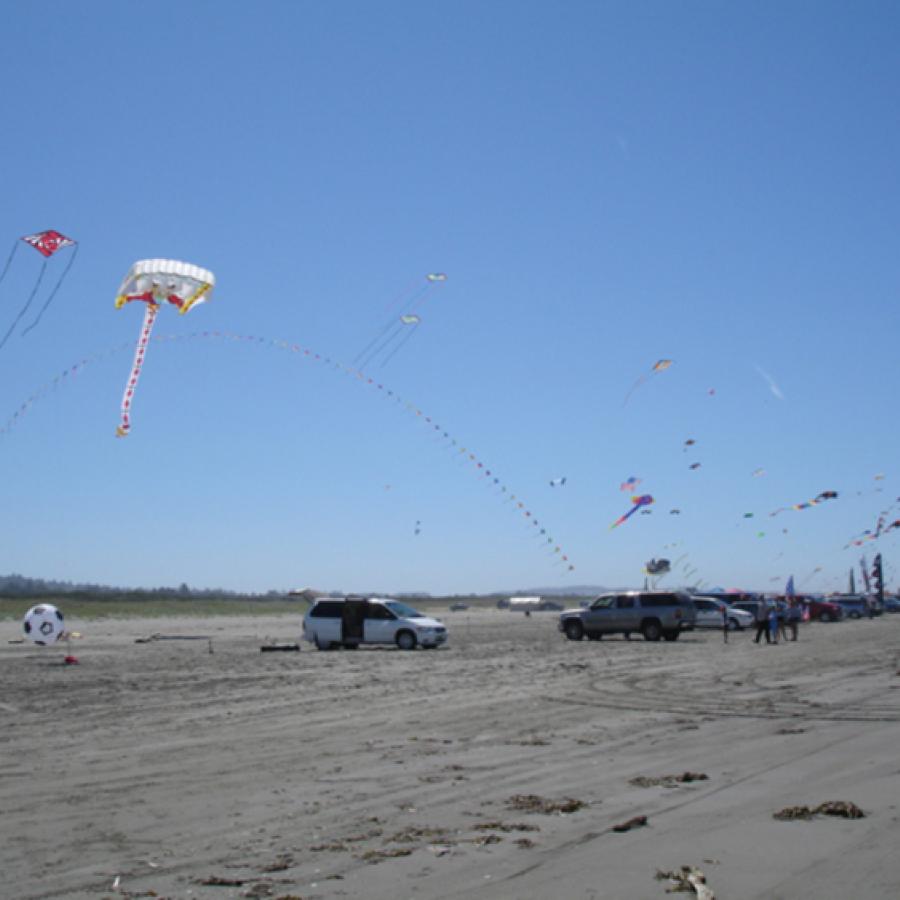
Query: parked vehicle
x=891 y=605
x=854 y=606
x=710 y=614
x=654 y=614
x=350 y=621
x=458 y=607
x=822 y=610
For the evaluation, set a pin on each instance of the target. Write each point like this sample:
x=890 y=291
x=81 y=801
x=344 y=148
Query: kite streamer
x=461 y=451
x=821 y=498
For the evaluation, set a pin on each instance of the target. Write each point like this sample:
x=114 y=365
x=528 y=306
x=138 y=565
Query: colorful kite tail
x=149 y=318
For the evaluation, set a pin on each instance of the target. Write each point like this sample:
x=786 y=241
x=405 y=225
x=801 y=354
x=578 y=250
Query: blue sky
x=605 y=185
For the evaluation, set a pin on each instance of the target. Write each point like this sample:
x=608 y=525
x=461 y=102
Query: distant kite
x=674 y=512
x=688 y=443
x=399 y=329
x=659 y=366
x=758 y=472
x=418 y=529
x=643 y=500
x=558 y=482
x=773 y=387
x=821 y=498
x=46 y=243
x=694 y=466
x=630 y=483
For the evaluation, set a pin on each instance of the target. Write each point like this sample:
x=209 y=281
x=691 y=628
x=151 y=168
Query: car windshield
x=602 y=602
x=402 y=610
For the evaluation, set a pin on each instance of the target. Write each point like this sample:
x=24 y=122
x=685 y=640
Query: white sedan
x=710 y=614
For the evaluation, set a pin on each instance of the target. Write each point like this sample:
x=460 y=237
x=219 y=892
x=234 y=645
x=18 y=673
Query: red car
x=817 y=610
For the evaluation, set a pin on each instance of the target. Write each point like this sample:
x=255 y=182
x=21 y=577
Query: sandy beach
x=159 y=769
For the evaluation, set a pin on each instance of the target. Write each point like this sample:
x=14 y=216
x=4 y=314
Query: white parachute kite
x=154 y=282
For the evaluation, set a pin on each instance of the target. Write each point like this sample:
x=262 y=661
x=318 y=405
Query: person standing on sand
x=794 y=615
x=762 y=622
x=725 y=621
x=773 y=623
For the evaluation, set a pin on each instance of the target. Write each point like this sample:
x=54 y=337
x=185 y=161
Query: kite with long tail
x=46 y=243
x=643 y=500
x=659 y=366
x=154 y=282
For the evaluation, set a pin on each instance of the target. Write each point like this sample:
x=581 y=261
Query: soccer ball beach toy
x=43 y=624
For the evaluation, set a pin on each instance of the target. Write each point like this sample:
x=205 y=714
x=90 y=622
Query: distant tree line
x=12 y=586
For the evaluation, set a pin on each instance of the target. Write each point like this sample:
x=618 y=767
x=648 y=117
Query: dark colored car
x=854 y=607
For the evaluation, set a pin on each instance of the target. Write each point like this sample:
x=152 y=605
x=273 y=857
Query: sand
x=150 y=768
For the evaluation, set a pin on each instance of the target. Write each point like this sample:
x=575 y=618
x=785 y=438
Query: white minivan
x=350 y=621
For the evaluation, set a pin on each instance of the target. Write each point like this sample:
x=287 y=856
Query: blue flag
x=789 y=587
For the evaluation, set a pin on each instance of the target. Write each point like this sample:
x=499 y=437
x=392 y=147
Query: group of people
x=774 y=621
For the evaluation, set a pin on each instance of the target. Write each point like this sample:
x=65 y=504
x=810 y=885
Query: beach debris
x=439 y=850
x=222 y=881
x=841 y=808
x=688 y=879
x=377 y=856
x=532 y=803
x=667 y=780
x=524 y=843
x=280 y=863
x=172 y=637
x=636 y=822
x=497 y=825
x=484 y=839
x=274 y=648
x=413 y=833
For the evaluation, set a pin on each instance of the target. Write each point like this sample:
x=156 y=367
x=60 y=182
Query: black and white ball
x=43 y=624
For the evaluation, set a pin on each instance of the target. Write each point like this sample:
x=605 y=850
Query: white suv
x=350 y=621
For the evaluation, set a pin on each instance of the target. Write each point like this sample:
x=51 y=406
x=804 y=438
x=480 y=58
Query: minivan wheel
x=574 y=630
x=651 y=630
x=406 y=640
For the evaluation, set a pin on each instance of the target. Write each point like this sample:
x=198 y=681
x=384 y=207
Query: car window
x=327 y=609
x=602 y=603
x=625 y=602
x=377 y=611
x=403 y=611
x=704 y=604
x=655 y=600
